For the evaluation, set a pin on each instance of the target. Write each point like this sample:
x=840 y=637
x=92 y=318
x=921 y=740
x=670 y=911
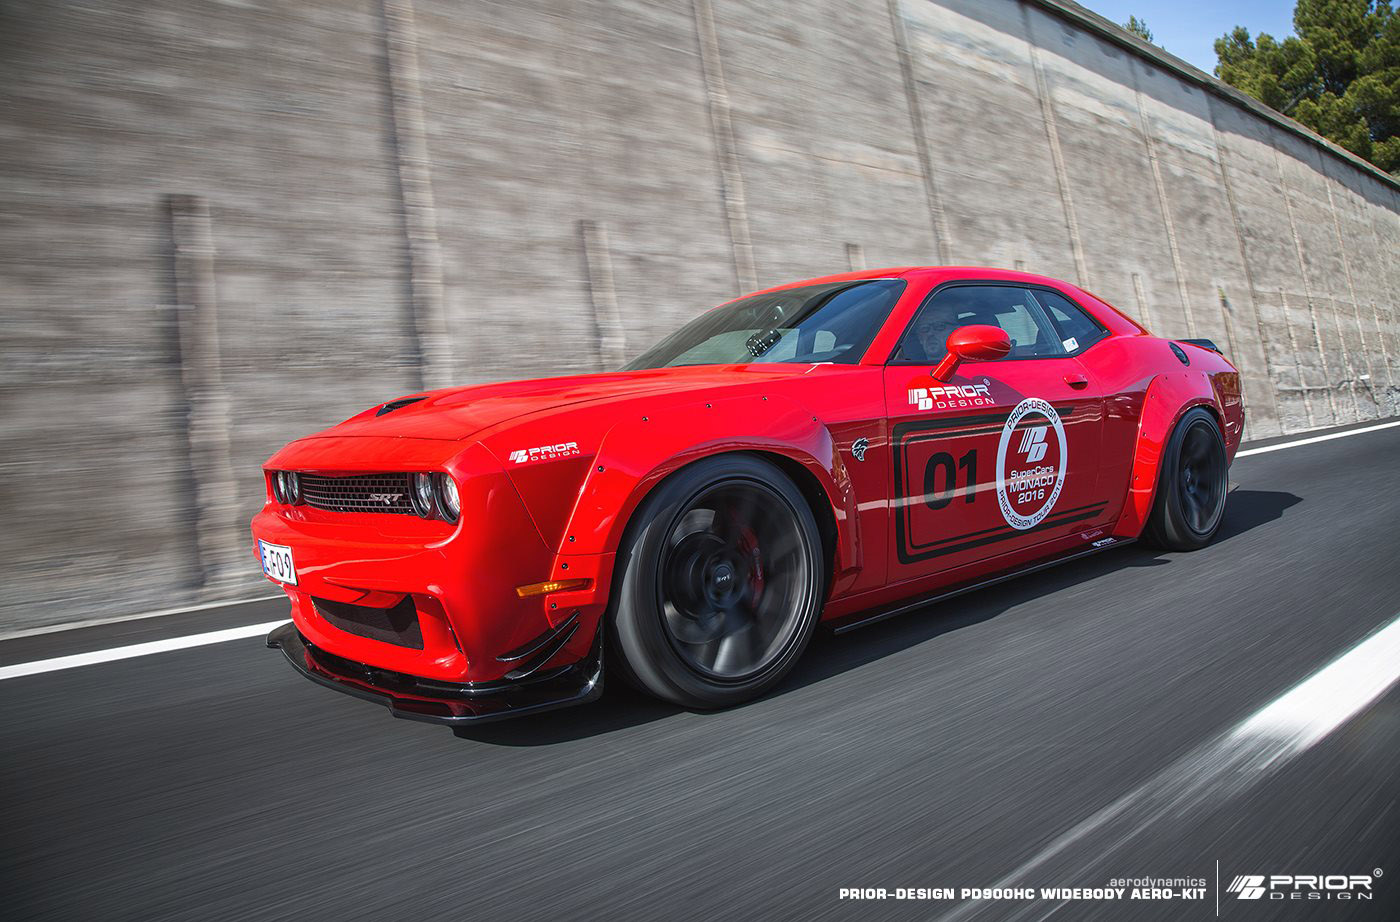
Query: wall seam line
x=726 y=147
x=942 y=238
x=1047 y=111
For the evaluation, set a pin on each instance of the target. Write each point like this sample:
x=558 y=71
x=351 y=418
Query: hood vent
x=393 y=405
x=1204 y=344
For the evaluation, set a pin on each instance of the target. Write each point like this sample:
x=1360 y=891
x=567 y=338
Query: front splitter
x=432 y=701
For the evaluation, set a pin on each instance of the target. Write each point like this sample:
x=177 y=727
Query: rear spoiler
x=1204 y=344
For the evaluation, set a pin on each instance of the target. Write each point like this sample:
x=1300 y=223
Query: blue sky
x=1189 y=28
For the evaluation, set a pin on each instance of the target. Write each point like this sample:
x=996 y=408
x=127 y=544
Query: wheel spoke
x=695 y=521
x=736 y=650
x=1194 y=512
x=784 y=547
x=739 y=516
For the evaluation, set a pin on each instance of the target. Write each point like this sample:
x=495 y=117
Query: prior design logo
x=1248 y=886
x=1033 y=444
x=951 y=395
x=545 y=452
x=1304 y=886
x=859 y=447
x=387 y=499
x=1028 y=488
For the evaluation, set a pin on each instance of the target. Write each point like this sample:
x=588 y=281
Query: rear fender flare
x=1166 y=401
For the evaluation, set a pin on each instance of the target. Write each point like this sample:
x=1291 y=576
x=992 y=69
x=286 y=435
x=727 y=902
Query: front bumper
x=440 y=702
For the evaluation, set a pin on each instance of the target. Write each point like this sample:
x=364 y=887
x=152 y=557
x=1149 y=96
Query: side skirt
x=864 y=619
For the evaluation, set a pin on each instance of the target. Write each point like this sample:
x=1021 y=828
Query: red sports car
x=837 y=450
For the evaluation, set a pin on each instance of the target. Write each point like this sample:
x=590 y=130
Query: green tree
x=1138 y=28
x=1340 y=75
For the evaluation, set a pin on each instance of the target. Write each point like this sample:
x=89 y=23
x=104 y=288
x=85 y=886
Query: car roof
x=938 y=273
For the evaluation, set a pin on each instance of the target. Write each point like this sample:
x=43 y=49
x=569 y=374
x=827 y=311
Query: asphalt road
x=1061 y=730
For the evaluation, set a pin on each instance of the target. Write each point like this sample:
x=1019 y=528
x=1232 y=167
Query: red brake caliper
x=748 y=543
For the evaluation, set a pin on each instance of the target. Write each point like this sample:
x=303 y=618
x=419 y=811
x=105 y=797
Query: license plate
x=277 y=562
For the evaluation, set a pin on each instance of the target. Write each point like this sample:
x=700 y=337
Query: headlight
x=292 y=489
x=276 y=478
x=423 y=495
x=449 y=503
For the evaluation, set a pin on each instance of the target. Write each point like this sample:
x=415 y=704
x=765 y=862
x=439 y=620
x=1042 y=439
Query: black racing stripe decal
x=1051 y=522
x=999 y=528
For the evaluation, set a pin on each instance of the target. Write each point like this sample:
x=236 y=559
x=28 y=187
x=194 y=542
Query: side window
x=1077 y=329
x=1013 y=309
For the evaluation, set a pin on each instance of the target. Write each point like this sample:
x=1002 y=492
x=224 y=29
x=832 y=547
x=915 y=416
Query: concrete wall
x=223 y=224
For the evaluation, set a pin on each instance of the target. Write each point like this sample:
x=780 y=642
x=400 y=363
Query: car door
x=1001 y=456
x=1080 y=331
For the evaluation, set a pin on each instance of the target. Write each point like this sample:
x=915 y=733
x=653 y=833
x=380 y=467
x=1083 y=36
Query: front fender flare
x=638 y=453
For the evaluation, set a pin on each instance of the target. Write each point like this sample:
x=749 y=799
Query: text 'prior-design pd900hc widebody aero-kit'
x=836 y=450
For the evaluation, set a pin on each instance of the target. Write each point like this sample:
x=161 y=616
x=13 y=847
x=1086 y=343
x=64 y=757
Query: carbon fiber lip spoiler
x=426 y=700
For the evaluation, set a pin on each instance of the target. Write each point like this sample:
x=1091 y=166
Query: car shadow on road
x=622 y=707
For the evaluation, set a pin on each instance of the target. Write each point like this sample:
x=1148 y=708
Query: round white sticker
x=1031 y=464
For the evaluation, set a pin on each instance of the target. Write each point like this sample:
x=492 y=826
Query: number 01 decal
x=941 y=466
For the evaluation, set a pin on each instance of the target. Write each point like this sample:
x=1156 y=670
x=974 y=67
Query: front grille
x=397 y=625
x=360 y=493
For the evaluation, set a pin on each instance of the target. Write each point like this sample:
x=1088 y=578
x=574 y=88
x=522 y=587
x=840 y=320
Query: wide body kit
x=921 y=481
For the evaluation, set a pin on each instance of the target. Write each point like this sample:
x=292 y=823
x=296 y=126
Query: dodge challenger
x=829 y=452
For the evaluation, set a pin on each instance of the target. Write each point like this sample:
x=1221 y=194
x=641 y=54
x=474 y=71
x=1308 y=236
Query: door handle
x=1078 y=382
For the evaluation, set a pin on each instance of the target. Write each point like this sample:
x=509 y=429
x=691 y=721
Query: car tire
x=1191 y=487
x=720 y=584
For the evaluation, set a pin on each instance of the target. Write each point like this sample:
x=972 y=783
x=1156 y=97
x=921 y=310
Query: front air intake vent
x=359 y=493
x=397 y=625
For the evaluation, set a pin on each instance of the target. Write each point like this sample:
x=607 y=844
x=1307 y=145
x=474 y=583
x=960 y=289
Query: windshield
x=835 y=322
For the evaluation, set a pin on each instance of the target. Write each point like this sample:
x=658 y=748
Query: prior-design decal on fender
x=1031 y=463
x=934 y=396
x=544 y=453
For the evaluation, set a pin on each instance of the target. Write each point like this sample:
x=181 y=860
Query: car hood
x=462 y=412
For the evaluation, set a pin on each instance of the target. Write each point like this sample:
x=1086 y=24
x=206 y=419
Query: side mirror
x=977 y=342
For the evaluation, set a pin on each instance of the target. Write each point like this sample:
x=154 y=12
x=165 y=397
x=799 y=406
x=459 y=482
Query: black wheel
x=1192 y=487
x=721 y=577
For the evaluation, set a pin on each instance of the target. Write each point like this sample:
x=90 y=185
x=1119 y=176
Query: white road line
x=119 y=619
x=1316 y=438
x=136 y=649
x=1215 y=771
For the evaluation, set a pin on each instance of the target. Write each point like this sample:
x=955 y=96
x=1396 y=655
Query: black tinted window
x=813 y=323
x=1012 y=309
x=1076 y=328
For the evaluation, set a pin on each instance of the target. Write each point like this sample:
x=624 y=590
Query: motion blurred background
x=227 y=224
